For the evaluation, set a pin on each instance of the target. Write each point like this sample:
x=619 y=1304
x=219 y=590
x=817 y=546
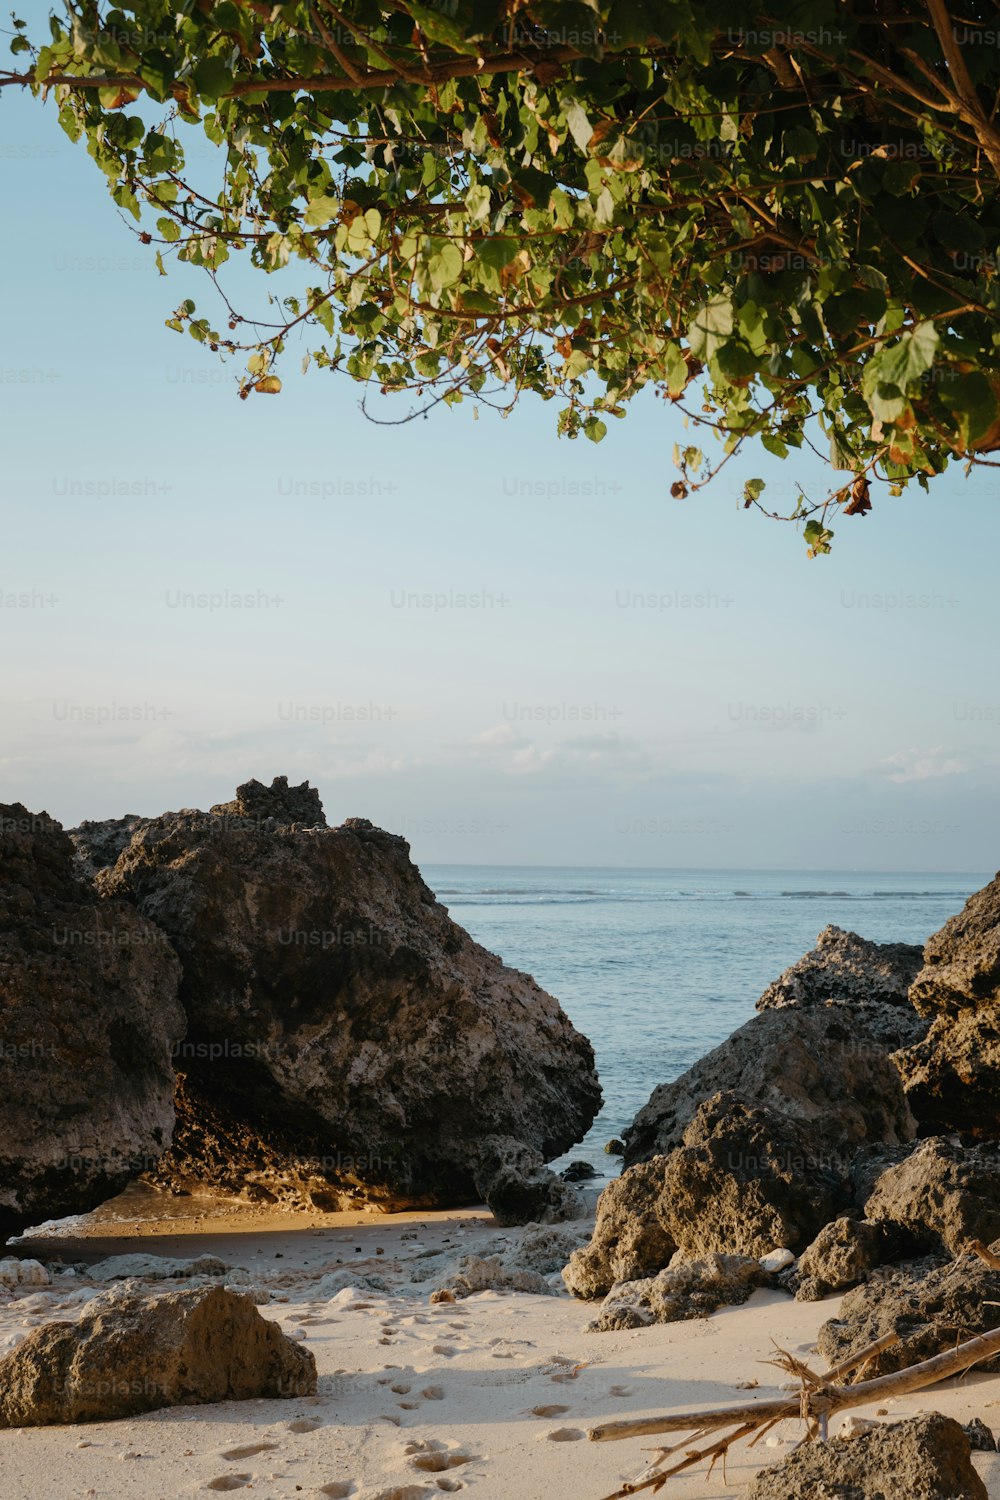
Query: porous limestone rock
x=840 y=1257
x=931 y=1307
x=952 y=1077
x=89 y=1018
x=744 y=1180
x=155 y=1268
x=847 y=969
x=128 y=1354
x=923 y=1458
x=940 y=1197
x=691 y=1289
x=820 y=1065
x=350 y=1038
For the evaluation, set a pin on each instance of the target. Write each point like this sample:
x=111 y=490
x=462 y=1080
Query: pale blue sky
x=794 y=719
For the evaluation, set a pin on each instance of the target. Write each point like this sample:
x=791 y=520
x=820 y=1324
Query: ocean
x=657 y=967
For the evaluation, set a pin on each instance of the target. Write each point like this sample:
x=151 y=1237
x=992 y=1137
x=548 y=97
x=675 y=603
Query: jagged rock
x=820 y=1066
x=744 y=1181
x=932 y=1309
x=544 y=1248
x=283 y=804
x=923 y=1458
x=952 y=1077
x=338 y=1018
x=846 y=968
x=981 y=1439
x=89 y=1016
x=692 y=1289
x=215 y=1143
x=941 y=1197
x=515 y=1183
x=155 y=1268
x=614 y=1147
x=128 y=1354
x=840 y=1257
x=629 y=1239
x=748 y=1179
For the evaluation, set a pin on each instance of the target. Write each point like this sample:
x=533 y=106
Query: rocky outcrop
x=840 y=1257
x=629 y=1239
x=941 y=1197
x=821 y=1066
x=931 y=1308
x=846 y=969
x=346 y=1033
x=129 y=1354
x=744 y=1181
x=924 y=1458
x=89 y=1017
x=692 y=1289
x=952 y=1077
x=278 y=804
x=515 y=1183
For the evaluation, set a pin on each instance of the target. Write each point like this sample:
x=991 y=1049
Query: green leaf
x=321 y=211
x=579 y=125
x=594 y=428
x=156 y=70
x=713 y=324
x=213 y=78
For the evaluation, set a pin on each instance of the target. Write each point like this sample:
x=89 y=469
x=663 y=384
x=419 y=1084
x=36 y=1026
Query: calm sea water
x=658 y=966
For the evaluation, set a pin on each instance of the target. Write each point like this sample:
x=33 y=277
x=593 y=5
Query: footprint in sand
x=450 y=1485
x=433 y=1393
x=620 y=1390
x=439 y=1461
x=564 y=1435
x=548 y=1411
x=304 y=1424
x=229 y=1482
x=446 y=1349
x=338 y=1489
x=400 y=1390
x=248 y=1450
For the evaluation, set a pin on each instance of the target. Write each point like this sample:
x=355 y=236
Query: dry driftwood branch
x=821 y=1397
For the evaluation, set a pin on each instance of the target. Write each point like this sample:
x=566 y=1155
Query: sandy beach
x=491 y=1394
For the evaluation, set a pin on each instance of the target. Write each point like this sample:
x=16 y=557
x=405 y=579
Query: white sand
x=492 y=1394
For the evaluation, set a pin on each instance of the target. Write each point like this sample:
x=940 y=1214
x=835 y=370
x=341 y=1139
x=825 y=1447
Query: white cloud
x=923 y=765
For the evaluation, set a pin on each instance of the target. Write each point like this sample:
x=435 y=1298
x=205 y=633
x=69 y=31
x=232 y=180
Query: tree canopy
x=784 y=219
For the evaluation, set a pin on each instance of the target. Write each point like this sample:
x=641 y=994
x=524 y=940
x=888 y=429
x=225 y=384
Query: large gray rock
x=941 y=1196
x=847 y=969
x=821 y=1066
x=931 y=1307
x=923 y=1458
x=952 y=1077
x=89 y=1018
x=746 y=1180
x=129 y=1354
x=338 y=1017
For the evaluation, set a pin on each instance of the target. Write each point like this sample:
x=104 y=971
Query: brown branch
x=971 y=109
